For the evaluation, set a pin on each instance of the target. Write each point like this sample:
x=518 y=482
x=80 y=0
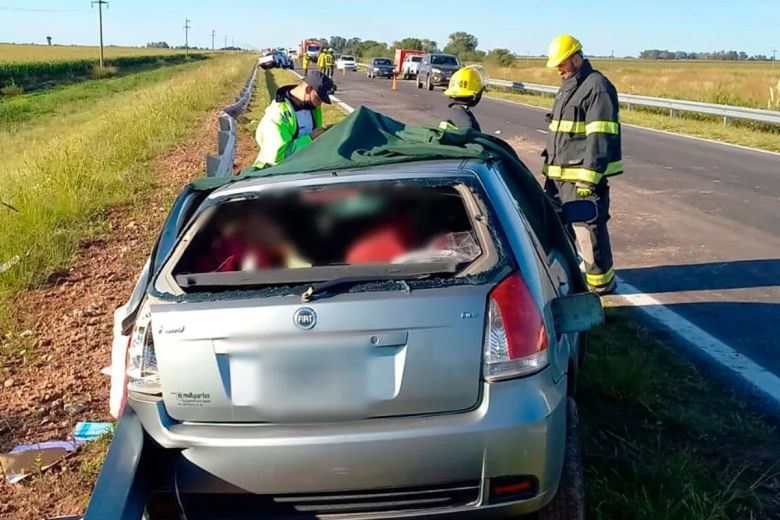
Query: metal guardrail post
x=221 y=163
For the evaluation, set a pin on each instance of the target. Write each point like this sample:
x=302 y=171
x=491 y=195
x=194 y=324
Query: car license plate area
x=314 y=383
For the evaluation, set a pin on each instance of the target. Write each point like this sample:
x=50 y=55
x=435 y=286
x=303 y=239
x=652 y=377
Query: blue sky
x=625 y=26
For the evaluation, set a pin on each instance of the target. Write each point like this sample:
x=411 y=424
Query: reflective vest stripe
x=573 y=127
x=603 y=127
x=578 y=173
x=579 y=127
x=597 y=280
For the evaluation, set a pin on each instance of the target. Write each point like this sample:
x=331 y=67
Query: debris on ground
x=86 y=431
x=27 y=459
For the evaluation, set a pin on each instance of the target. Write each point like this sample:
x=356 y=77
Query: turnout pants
x=592 y=237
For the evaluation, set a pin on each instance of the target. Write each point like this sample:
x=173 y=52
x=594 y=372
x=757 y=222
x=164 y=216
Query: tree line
x=460 y=43
x=658 y=54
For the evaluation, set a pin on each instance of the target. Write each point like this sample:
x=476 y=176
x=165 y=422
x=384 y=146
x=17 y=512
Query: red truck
x=407 y=62
x=310 y=47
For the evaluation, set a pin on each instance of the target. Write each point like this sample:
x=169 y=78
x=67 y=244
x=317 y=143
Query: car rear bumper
x=517 y=430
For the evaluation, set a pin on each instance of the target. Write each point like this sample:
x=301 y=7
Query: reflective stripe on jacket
x=277 y=134
x=583 y=143
x=329 y=61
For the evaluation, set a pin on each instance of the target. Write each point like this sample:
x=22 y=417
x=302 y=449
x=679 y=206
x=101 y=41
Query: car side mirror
x=579 y=312
x=578 y=211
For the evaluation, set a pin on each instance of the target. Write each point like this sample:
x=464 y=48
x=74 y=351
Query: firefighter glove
x=584 y=189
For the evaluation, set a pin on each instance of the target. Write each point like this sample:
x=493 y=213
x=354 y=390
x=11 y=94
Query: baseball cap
x=321 y=83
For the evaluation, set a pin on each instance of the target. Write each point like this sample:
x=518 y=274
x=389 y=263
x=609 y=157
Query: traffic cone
x=395 y=85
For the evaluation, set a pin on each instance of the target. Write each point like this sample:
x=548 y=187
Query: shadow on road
x=741 y=274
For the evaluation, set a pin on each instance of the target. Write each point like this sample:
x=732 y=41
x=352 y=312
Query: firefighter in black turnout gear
x=465 y=91
x=583 y=151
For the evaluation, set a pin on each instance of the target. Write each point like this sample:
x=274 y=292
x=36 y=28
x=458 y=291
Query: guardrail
x=221 y=164
x=674 y=106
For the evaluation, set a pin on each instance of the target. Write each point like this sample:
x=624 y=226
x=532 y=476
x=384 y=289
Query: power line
x=187 y=28
x=100 y=4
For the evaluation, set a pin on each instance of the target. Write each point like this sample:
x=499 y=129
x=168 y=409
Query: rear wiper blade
x=404 y=272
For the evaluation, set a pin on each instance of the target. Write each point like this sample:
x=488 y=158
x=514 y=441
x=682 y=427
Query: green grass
x=661 y=441
x=60 y=174
x=64 y=100
x=742 y=133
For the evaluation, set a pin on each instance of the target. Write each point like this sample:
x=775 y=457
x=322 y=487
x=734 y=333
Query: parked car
x=346 y=62
x=382 y=67
x=390 y=341
x=436 y=70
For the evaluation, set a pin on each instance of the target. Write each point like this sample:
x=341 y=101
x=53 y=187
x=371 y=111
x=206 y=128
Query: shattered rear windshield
x=315 y=234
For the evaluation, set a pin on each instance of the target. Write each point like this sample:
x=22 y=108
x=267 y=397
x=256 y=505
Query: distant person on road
x=321 y=60
x=330 y=63
x=465 y=91
x=294 y=119
x=583 y=151
x=305 y=60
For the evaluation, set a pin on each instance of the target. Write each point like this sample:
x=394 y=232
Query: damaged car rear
x=375 y=342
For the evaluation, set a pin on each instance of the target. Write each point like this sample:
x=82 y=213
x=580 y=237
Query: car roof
x=407 y=171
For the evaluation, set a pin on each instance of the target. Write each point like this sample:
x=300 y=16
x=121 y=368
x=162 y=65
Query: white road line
x=541 y=131
x=665 y=132
x=346 y=108
x=753 y=373
x=742 y=366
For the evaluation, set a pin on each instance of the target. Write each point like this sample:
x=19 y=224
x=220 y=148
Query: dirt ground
x=68 y=324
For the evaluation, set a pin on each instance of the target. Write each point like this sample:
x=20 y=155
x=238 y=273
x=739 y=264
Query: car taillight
x=142 y=374
x=515 y=337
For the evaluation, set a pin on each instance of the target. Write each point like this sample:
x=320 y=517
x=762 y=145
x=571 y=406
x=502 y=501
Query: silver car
x=392 y=342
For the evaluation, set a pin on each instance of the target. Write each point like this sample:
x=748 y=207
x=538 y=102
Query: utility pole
x=774 y=52
x=225 y=42
x=612 y=60
x=100 y=4
x=213 y=34
x=187 y=28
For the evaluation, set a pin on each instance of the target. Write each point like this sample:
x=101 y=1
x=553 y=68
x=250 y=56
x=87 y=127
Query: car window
x=382 y=61
x=326 y=229
x=416 y=59
x=443 y=59
x=347 y=58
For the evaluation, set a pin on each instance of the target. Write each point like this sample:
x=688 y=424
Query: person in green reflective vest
x=294 y=119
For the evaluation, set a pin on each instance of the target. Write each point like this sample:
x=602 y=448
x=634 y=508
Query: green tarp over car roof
x=366 y=138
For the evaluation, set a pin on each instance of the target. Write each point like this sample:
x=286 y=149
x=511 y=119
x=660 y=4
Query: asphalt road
x=695 y=224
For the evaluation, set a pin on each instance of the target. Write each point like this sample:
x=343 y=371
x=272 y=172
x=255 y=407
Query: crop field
x=752 y=84
x=23 y=53
x=29 y=67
